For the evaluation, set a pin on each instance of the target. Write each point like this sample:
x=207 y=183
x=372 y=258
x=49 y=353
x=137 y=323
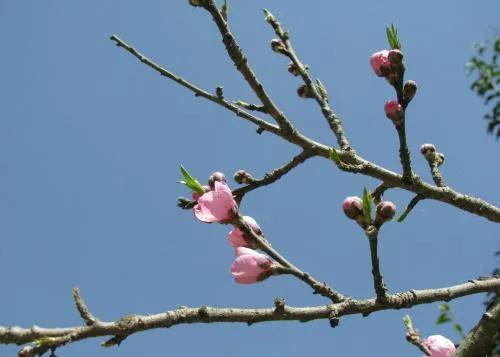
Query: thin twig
x=198 y=91
x=131 y=324
x=410 y=207
x=240 y=61
x=275 y=174
x=83 y=309
x=404 y=152
x=378 y=282
x=333 y=120
x=436 y=174
x=319 y=288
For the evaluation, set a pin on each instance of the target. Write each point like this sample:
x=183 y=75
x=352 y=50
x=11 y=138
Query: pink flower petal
x=216 y=205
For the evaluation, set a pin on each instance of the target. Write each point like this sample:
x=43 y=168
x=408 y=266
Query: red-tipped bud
x=353 y=207
x=385 y=211
x=380 y=63
x=304 y=92
x=393 y=110
x=292 y=68
x=409 y=90
x=216 y=176
x=241 y=177
x=278 y=46
x=196 y=2
x=395 y=57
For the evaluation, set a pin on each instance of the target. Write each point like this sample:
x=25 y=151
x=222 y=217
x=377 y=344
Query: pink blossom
x=353 y=207
x=439 y=346
x=393 y=109
x=385 y=211
x=250 y=266
x=236 y=238
x=217 y=205
x=380 y=60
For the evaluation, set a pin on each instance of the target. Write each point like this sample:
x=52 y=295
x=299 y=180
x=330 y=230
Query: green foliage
x=446 y=316
x=392 y=37
x=334 y=155
x=367 y=206
x=485 y=68
x=191 y=182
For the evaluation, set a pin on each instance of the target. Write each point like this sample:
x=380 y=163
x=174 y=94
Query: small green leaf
x=191 y=182
x=334 y=155
x=407 y=322
x=402 y=217
x=442 y=319
x=367 y=206
x=268 y=16
x=392 y=37
x=458 y=328
x=44 y=341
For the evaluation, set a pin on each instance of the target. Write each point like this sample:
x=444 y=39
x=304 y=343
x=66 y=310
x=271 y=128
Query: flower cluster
x=217 y=205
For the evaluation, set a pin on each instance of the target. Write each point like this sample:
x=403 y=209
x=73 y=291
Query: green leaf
x=458 y=328
x=443 y=318
x=334 y=155
x=402 y=217
x=44 y=341
x=367 y=206
x=191 y=182
x=392 y=37
x=407 y=322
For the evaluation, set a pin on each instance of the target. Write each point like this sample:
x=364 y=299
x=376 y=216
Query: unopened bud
x=278 y=46
x=196 y=2
x=292 y=68
x=216 y=176
x=439 y=158
x=353 y=207
x=409 y=90
x=304 y=92
x=395 y=57
x=393 y=110
x=385 y=212
x=427 y=149
x=243 y=177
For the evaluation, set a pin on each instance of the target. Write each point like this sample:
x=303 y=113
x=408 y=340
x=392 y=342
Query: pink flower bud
x=278 y=46
x=216 y=176
x=241 y=177
x=409 y=90
x=217 y=205
x=385 y=211
x=236 y=237
x=393 y=110
x=304 y=92
x=292 y=68
x=380 y=63
x=353 y=207
x=250 y=266
x=439 y=346
x=395 y=57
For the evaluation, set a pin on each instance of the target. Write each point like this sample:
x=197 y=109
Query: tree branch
x=378 y=282
x=128 y=325
x=320 y=96
x=360 y=165
x=480 y=339
x=274 y=175
x=288 y=268
x=198 y=91
x=240 y=61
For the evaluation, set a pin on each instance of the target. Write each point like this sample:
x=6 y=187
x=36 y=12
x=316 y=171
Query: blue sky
x=91 y=141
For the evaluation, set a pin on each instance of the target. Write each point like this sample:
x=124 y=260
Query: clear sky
x=91 y=141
